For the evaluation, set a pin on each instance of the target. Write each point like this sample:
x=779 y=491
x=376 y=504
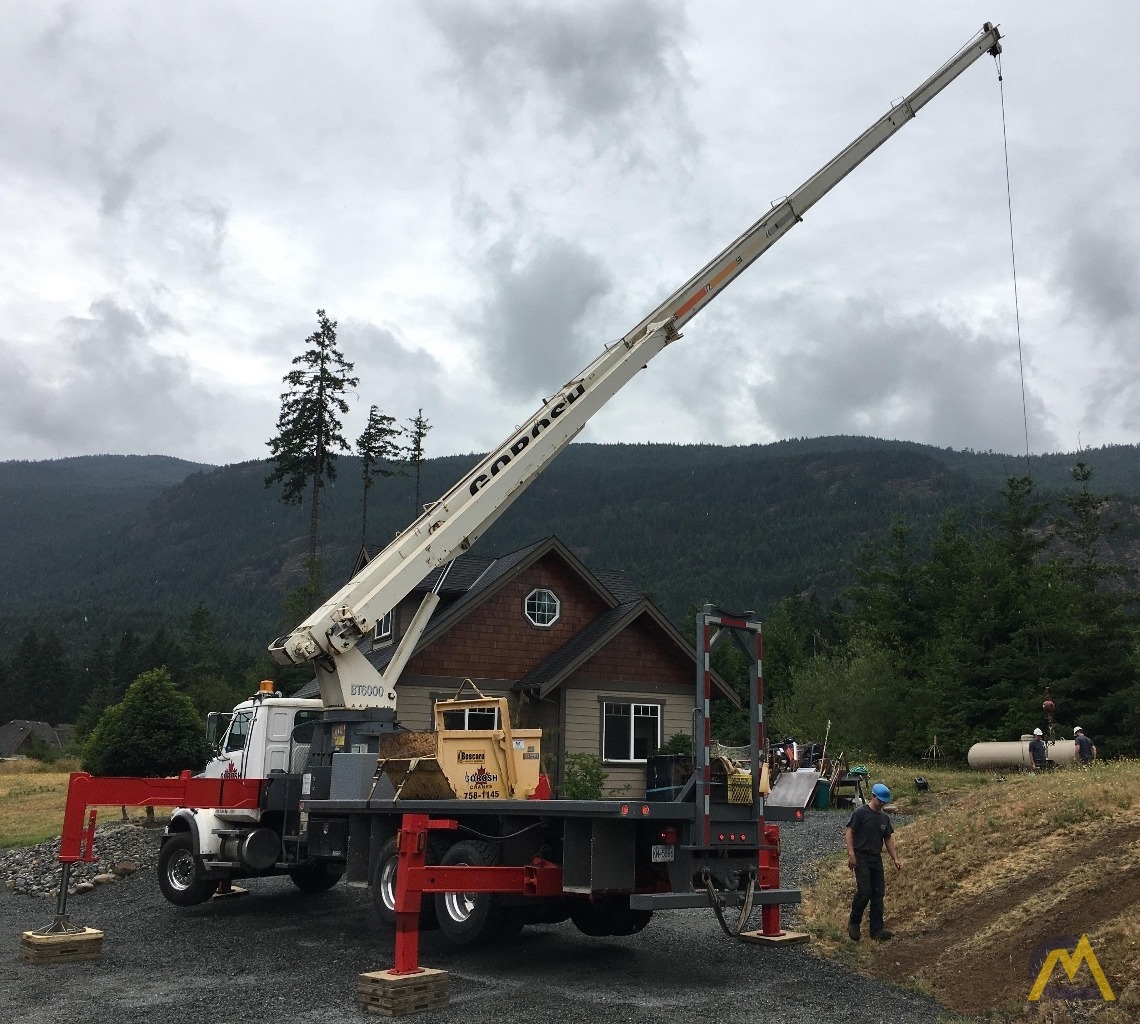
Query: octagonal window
x=542 y=607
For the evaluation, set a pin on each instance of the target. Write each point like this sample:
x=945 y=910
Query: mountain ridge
x=111 y=541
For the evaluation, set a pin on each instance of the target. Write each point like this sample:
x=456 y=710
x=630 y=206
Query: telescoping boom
x=449 y=526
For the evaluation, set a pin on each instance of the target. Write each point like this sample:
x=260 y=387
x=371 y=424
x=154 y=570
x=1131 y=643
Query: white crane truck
x=299 y=786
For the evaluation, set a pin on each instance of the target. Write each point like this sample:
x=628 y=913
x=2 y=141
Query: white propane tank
x=1011 y=754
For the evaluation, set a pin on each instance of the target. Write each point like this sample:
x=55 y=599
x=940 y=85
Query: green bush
x=585 y=777
x=678 y=743
x=153 y=731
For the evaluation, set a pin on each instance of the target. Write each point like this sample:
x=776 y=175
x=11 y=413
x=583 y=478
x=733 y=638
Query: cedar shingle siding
x=496 y=641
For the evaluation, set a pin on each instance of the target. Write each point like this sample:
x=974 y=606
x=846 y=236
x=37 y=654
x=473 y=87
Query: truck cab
x=262 y=736
x=266 y=737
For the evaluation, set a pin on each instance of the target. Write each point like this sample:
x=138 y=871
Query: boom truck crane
x=362 y=798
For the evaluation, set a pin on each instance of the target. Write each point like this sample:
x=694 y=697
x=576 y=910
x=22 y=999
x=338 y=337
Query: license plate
x=663 y=854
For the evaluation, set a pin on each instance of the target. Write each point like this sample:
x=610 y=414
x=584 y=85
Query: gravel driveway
x=277 y=954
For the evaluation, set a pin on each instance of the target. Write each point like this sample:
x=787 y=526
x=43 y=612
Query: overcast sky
x=484 y=194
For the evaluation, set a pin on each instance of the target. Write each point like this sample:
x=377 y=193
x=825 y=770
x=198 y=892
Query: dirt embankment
x=995 y=878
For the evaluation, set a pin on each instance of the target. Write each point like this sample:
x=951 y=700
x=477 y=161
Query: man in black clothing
x=1037 y=752
x=1086 y=752
x=869 y=829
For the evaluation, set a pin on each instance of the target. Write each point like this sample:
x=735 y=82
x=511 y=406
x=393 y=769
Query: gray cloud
x=599 y=67
x=104 y=389
x=537 y=296
x=118 y=176
x=1100 y=269
x=855 y=368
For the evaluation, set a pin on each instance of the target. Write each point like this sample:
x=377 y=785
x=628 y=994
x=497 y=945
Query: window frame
x=631 y=704
x=466 y=712
x=527 y=607
x=384 y=632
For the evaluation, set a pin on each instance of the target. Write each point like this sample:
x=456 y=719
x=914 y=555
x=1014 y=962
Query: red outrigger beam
x=414 y=878
x=87 y=792
x=90 y=791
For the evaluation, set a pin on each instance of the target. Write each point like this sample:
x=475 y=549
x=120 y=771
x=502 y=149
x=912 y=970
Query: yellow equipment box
x=468 y=764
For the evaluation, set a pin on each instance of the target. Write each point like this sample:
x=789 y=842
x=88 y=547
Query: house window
x=382 y=631
x=472 y=718
x=630 y=732
x=542 y=607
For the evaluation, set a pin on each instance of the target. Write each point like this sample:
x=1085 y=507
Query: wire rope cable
x=1013 y=264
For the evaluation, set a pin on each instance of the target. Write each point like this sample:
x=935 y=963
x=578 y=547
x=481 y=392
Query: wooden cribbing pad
x=397 y=995
x=61 y=947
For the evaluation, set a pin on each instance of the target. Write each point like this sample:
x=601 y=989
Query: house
x=581 y=654
x=20 y=738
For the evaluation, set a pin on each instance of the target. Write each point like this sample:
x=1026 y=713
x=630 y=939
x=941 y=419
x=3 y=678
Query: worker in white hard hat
x=1086 y=751
x=1037 y=753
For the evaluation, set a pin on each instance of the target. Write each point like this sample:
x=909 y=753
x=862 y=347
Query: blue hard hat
x=881 y=791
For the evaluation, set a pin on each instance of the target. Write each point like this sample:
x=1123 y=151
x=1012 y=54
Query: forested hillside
x=111 y=542
x=116 y=561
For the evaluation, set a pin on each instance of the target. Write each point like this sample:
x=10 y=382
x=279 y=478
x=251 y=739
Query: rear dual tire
x=469 y=917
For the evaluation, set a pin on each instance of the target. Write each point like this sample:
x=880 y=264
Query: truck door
x=232 y=751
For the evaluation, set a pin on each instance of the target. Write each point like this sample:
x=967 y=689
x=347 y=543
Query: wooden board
x=396 y=995
x=61 y=947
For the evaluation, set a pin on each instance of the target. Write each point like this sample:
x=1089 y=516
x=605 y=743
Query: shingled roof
x=16 y=733
x=470 y=579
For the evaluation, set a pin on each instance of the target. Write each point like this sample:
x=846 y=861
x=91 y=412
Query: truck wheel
x=467 y=917
x=180 y=873
x=383 y=885
x=318 y=877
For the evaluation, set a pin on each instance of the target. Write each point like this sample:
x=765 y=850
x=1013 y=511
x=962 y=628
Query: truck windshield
x=238 y=732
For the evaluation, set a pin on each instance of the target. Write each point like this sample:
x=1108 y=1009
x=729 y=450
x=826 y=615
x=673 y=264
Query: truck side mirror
x=217 y=722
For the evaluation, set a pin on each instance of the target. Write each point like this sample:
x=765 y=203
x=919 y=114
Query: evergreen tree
x=309 y=437
x=153 y=731
x=202 y=657
x=418 y=428
x=378 y=447
x=1096 y=656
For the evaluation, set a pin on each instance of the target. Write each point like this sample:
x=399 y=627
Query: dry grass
x=32 y=795
x=992 y=868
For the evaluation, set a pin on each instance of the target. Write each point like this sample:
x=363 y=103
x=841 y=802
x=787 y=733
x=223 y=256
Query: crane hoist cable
x=1013 y=264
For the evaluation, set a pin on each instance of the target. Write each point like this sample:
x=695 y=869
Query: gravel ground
x=279 y=954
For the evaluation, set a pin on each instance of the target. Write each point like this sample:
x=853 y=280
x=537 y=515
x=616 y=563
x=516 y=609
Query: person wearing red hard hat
x=869 y=829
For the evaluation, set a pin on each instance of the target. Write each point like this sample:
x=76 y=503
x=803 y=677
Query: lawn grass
x=32 y=796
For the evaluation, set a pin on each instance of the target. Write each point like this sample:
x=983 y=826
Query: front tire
x=180 y=873
x=313 y=878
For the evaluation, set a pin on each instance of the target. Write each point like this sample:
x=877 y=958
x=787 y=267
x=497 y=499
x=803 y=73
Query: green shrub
x=678 y=743
x=153 y=731
x=585 y=777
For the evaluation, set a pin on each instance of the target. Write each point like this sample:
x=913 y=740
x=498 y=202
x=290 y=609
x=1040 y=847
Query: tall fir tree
x=379 y=449
x=418 y=428
x=309 y=438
